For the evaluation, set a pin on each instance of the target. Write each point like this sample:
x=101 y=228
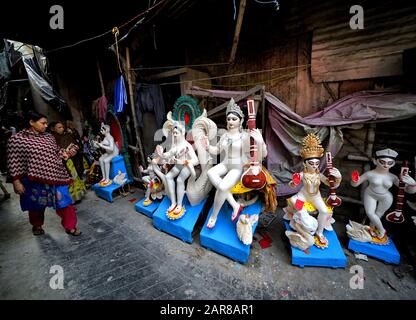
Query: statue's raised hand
x=256 y=135
x=355 y=176
x=335 y=173
x=408 y=180
x=159 y=150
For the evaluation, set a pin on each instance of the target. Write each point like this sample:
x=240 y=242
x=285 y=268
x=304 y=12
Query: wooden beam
x=237 y=30
x=248 y=93
x=194 y=91
x=133 y=110
x=263 y=114
x=168 y=74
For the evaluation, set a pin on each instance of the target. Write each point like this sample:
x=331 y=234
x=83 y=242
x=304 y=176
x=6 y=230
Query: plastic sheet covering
x=35 y=65
x=4 y=66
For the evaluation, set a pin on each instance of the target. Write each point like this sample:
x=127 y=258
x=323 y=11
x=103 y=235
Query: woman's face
x=40 y=125
x=385 y=163
x=233 y=121
x=312 y=164
x=59 y=128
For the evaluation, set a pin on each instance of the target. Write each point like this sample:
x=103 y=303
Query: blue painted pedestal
x=333 y=256
x=181 y=228
x=117 y=163
x=147 y=210
x=387 y=253
x=223 y=237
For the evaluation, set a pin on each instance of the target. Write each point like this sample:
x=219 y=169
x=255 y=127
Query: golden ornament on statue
x=311 y=147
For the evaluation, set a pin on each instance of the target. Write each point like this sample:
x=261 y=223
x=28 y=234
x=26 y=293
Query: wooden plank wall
x=342 y=61
x=340 y=53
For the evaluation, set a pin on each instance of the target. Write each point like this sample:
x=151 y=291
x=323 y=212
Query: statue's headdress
x=233 y=107
x=386 y=153
x=170 y=124
x=311 y=147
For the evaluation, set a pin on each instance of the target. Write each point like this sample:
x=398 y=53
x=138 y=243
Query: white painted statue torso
x=109 y=142
x=380 y=183
x=236 y=148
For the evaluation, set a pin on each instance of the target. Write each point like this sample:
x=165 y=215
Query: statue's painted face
x=233 y=121
x=105 y=129
x=312 y=164
x=177 y=130
x=385 y=163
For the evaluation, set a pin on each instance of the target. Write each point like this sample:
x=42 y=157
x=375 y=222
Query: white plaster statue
x=184 y=158
x=244 y=227
x=311 y=177
x=235 y=144
x=199 y=186
x=305 y=227
x=121 y=179
x=377 y=197
x=154 y=187
x=111 y=151
x=412 y=205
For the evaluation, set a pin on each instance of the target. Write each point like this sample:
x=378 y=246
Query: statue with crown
x=239 y=179
x=306 y=230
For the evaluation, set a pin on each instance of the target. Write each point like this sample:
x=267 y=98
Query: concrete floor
x=120 y=255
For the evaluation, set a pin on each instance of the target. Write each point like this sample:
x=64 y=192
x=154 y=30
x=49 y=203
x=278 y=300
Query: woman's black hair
x=34 y=116
x=235 y=114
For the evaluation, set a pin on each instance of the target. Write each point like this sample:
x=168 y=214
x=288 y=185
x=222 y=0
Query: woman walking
x=39 y=175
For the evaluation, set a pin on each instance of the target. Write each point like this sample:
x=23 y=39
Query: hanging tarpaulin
x=34 y=60
x=120 y=95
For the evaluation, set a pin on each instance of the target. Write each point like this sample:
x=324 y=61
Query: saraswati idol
x=310 y=230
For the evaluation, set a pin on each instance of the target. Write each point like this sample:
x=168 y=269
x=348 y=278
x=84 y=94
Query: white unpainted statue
x=305 y=227
x=244 y=227
x=111 y=151
x=154 y=187
x=235 y=144
x=199 y=185
x=184 y=158
x=377 y=197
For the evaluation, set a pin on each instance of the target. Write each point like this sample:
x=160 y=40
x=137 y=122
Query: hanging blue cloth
x=120 y=95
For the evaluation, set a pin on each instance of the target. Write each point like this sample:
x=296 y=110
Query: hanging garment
x=102 y=108
x=120 y=96
x=149 y=98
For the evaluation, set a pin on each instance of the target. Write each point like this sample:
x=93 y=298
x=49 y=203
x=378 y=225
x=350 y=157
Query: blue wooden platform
x=181 y=228
x=333 y=256
x=223 y=237
x=147 y=210
x=117 y=163
x=388 y=253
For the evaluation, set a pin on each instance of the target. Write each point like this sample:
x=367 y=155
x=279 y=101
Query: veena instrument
x=254 y=177
x=333 y=200
x=396 y=216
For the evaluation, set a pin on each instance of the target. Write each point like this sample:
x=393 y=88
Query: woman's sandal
x=74 y=232
x=38 y=231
